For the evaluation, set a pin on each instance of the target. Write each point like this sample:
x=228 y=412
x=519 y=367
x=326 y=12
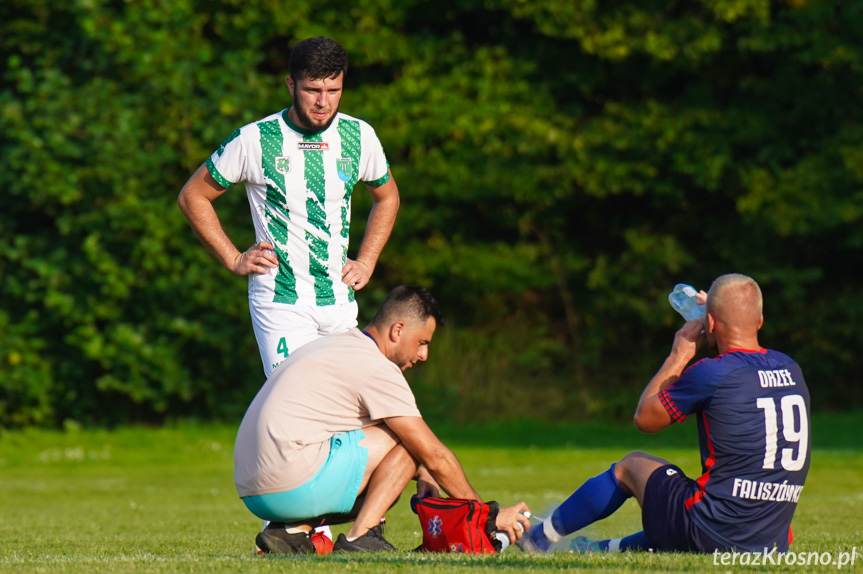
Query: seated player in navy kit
x=752 y=407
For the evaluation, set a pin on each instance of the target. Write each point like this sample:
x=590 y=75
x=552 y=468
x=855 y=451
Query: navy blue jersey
x=753 y=431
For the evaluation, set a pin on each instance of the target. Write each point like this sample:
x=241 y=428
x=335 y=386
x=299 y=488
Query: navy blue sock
x=594 y=500
x=635 y=542
x=597 y=498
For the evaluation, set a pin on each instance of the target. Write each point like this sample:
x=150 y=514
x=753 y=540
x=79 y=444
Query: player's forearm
x=651 y=415
x=382 y=218
x=450 y=476
x=670 y=371
x=205 y=223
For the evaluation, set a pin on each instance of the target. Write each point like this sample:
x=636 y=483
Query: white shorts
x=280 y=329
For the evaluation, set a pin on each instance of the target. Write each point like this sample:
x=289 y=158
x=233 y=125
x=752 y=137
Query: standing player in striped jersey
x=752 y=407
x=299 y=167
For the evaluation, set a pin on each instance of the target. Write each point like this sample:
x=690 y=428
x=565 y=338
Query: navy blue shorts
x=664 y=516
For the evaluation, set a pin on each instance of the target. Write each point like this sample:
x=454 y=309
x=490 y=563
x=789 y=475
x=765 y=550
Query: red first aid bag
x=457 y=525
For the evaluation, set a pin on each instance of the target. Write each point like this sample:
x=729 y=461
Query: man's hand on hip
x=356 y=274
x=258 y=258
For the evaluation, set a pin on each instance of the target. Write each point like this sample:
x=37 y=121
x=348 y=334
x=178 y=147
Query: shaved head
x=735 y=301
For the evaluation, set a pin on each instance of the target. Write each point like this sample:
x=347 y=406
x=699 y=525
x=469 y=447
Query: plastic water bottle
x=683 y=299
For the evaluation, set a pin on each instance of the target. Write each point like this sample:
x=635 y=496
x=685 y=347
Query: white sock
x=614 y=545
x=549 y=531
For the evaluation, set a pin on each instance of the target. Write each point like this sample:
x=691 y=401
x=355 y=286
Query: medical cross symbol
x=434 y=526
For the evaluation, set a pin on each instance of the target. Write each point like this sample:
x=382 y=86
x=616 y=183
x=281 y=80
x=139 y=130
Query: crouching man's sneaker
x=275 y=539
x=371 y=541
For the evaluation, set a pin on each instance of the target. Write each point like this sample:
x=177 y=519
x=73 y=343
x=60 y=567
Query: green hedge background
x=562 y=165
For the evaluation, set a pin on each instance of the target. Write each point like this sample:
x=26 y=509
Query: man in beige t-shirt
x=335 y=435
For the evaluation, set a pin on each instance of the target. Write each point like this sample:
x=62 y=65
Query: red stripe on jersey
x=790 y=535
x=760 y=351
x=669 y=406
x=708 y=464
x=695 y=498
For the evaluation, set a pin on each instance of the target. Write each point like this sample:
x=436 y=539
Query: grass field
x=163 y=500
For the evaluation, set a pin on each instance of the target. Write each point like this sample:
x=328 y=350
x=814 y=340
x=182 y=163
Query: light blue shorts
x=332 y=490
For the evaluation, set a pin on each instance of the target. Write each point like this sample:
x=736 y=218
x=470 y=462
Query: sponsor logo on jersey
x=313 y=146
x=283 y=165
x=345 y=166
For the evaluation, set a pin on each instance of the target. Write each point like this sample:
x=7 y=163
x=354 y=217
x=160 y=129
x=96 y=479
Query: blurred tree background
x=562 y=165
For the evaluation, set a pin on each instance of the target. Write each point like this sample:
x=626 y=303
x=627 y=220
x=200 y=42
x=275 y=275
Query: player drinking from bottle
x=752 y=408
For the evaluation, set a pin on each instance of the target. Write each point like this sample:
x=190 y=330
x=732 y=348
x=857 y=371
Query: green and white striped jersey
x=299 y=186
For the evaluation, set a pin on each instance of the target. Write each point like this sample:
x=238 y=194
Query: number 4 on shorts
x=283 y=347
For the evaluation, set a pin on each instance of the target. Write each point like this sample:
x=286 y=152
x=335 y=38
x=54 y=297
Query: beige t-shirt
x=332 y=385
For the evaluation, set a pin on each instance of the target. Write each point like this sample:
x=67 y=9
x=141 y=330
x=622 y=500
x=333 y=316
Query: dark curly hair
x=317 y=58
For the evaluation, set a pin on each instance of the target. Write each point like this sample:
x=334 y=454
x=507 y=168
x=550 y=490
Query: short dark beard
x=306 y=122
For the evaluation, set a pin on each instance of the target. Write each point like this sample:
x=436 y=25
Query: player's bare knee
x=630 y=460
x=633 y=467
x=412 y=461
x=623 y=470
x=400 y=455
